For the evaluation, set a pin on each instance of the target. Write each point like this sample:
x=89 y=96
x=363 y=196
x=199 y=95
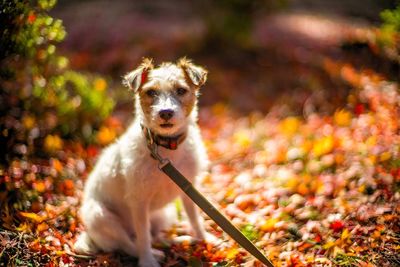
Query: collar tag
x=173 y=144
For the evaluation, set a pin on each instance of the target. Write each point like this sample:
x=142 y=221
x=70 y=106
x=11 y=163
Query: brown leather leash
x=187 y=187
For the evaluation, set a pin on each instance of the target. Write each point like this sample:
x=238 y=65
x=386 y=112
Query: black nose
x=166 y=114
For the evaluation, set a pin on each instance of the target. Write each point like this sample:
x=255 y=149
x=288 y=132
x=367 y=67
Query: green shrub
x=37 y=87
x=391 y=19
x=389 y=37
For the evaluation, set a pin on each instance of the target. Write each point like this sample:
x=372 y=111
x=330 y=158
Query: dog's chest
x=155 y=186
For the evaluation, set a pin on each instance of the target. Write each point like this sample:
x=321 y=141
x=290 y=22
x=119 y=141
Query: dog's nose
x=166 y=114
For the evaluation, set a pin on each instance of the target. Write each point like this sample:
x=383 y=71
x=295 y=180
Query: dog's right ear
x=196 y=74
x=136 y=78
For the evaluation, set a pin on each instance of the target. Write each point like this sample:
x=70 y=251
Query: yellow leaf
x=53 y=143
x=232 y=253
x=289 y=126
x=28 y=122
x=361 y=189
x=269 y=225
x=345 y=234
x=24 y=227
x=385 y=156
x=32 y=216
x=292 y=183
x=60 y=252
x=309 y=258
x=371 y=141
x=342 y=117
x=242 y=138
x=323 y=146
x=329 y=245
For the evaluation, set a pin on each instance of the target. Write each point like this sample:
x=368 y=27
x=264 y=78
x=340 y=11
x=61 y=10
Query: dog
x=125 y=195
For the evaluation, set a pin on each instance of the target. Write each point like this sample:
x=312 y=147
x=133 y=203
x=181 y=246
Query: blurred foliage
x=391 y=19
x=389 y=37
x=229 y=23
x=41 y=96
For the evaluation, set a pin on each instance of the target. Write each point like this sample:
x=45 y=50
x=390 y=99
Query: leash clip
x=153 y=147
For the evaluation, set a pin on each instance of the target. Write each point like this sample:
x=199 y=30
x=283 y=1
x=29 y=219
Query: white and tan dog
x=125 y=195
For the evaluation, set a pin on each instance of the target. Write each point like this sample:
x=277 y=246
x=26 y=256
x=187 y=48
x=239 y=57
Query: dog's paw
x=148 y=262
x=84 y=245
x=212 y=239
x=209 y=238
x=158 y=254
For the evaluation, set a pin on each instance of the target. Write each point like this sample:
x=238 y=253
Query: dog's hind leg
x=104 y=231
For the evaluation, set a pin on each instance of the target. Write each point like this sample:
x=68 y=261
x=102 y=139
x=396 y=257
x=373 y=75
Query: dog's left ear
x=136 y=78
x=196 y=74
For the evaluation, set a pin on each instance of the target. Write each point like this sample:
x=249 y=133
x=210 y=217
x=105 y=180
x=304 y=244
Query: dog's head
x=167 y=94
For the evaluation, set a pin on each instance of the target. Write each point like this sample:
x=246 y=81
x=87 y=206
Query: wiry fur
x=126 y=193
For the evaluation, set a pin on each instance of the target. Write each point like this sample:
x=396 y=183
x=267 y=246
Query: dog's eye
x=151 y=93
x=181 y=91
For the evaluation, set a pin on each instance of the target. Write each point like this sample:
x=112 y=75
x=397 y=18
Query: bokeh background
x=258 y=52
x=299 y=116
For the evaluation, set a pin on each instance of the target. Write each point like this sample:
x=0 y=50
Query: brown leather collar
x=169 y=142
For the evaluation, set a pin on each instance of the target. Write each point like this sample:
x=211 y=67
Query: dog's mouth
x=166 y=125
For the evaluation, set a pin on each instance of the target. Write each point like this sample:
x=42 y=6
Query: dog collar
x=169 y=142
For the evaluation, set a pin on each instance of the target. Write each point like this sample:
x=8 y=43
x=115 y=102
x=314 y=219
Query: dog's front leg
x=194 y=218
x=141 y=224
x=196 y=221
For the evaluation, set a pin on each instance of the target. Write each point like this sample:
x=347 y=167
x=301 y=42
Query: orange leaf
x=342 y=117
x=289 y=126
x=100 y=84
x=106 y=135
x=304 y=246
x=69 y=184
x=42 y=227
x=57 y=165
x=39 y=186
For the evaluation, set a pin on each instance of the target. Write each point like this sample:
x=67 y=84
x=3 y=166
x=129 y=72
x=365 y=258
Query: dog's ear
x=196 y=74
x=136 y=78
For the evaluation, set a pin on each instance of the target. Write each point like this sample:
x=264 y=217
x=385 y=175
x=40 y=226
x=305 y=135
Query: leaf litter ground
x=317 y=191
x=322 y=189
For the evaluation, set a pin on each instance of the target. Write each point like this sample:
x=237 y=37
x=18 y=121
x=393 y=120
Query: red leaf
x=337 y=226
x=359 y=109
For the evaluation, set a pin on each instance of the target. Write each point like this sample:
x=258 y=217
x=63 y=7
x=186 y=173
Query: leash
x=187 y=187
